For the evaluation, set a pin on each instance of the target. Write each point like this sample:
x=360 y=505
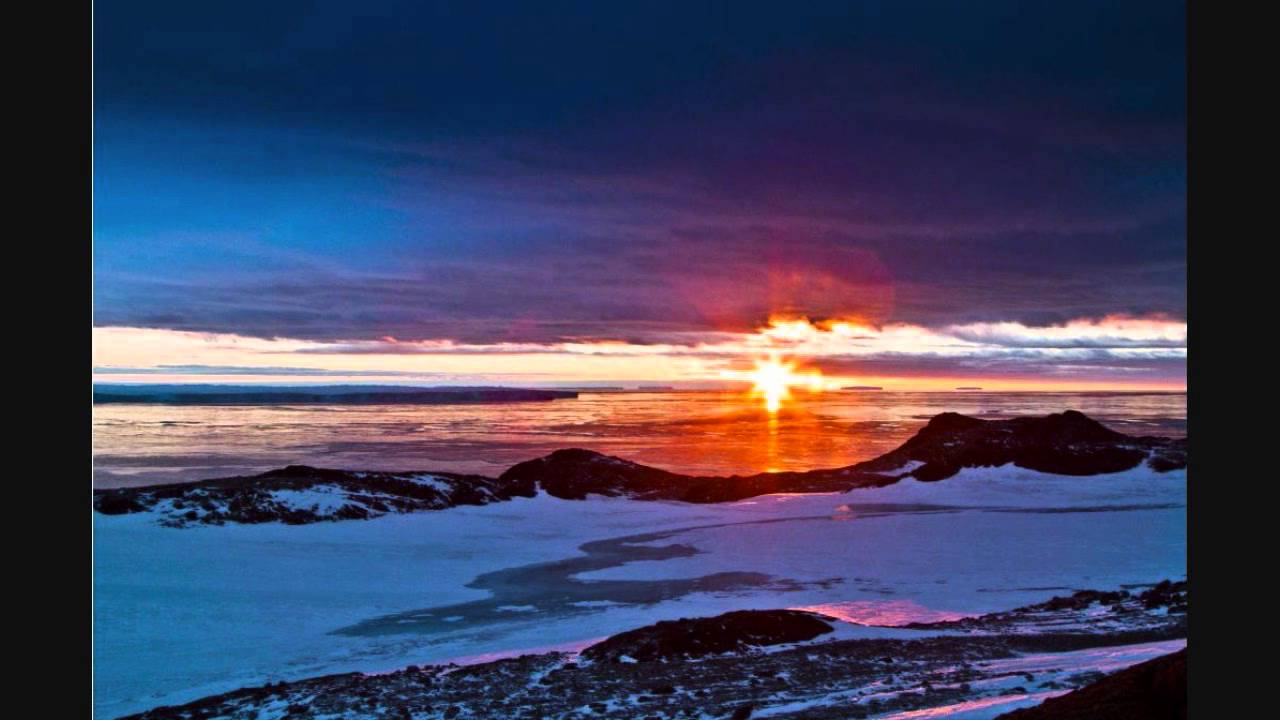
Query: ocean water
x=699 y=432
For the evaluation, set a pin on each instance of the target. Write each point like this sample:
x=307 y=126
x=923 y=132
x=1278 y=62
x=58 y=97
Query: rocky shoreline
x=1067 y=443
x=775 y=663
x=1153 y=690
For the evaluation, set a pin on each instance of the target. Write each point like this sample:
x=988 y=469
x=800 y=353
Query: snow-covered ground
x=183 y=613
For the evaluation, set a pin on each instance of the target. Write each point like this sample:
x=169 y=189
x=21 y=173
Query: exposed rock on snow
x=696 y=637
x=713 y=667
x=1153 y=690
x=1087 y=611
x=298 y=494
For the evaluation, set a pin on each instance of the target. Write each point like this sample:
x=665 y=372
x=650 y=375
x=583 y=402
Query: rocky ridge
x=1067 y=443
x=298 y=495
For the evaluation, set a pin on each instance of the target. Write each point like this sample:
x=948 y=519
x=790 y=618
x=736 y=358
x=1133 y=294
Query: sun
x=773 y=380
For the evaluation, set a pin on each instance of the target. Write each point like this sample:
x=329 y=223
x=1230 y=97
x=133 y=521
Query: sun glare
x=774 y=378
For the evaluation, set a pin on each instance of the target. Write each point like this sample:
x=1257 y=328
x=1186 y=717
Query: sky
x=911 y=194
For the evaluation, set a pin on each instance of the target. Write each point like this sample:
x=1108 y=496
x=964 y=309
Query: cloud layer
x=655 y=175
x=1112 y=352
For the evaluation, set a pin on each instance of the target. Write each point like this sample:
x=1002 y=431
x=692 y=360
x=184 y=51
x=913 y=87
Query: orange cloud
x=1114 y=351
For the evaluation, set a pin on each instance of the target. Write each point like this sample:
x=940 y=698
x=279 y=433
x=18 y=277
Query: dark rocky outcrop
x=1066 y=443
x=1153 y=690
x=574 y=473
x=299 y=494
x=697 y=637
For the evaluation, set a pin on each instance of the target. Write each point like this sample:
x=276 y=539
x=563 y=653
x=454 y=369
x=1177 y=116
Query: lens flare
x=773 y=379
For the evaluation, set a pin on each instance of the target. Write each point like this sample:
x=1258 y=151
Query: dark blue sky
x=533 y=172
